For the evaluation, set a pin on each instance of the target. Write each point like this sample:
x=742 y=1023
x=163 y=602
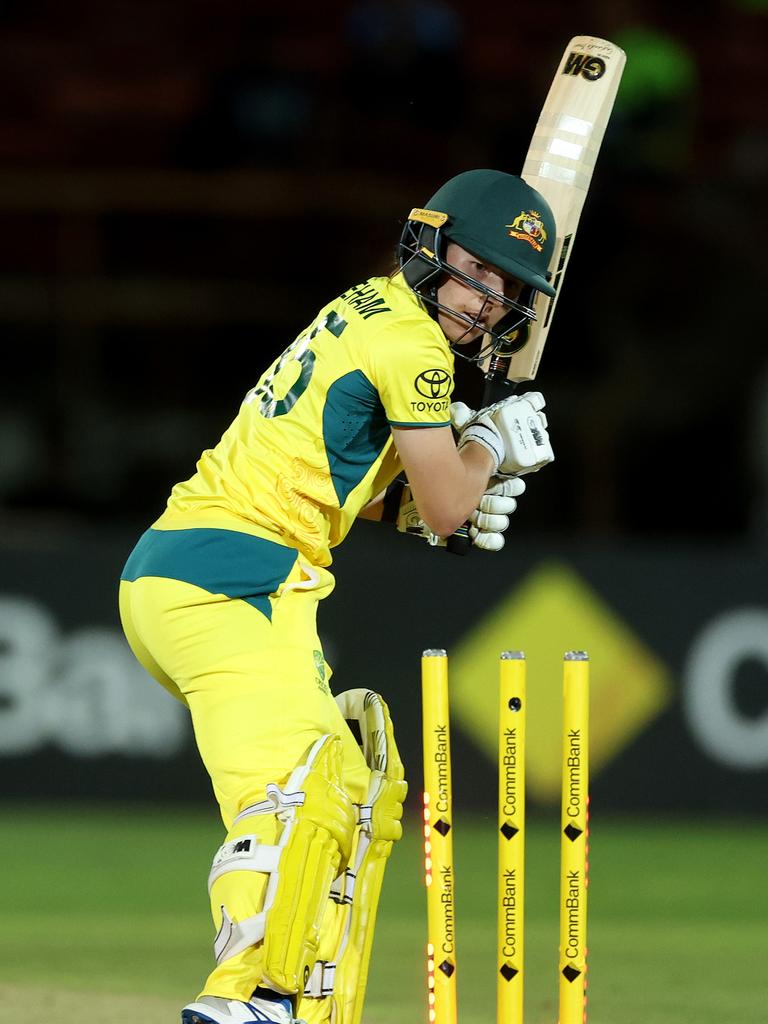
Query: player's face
x=468 y=300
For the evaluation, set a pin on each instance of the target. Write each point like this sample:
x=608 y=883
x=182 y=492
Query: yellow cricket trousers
x=226 y=622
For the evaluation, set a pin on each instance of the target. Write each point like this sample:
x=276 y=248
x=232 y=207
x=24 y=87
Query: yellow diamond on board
x=552 y=611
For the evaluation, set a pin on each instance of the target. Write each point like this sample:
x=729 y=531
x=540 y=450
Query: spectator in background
x=258 y=110
x=657 y=106
x=640 y=192
x=403 y=75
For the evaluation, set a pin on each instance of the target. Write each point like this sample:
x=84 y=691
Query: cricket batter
x=218 y=599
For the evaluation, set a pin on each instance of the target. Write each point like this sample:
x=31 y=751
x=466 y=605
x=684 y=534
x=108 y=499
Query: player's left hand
x=491 y=517
x=513 y=430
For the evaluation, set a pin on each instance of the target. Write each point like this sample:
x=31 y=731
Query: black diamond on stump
x=508 y=830
x=570 y=973
x=442 y=827
x=508 y=972
x=447 y=968
x=572 y=832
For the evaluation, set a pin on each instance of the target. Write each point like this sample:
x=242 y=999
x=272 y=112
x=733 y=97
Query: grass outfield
x=105 y=920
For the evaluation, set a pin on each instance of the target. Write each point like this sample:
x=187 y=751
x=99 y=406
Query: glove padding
x=491 y=517
x=514 y=431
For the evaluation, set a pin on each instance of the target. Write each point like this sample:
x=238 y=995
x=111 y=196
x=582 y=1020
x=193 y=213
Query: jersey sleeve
x=412 y=371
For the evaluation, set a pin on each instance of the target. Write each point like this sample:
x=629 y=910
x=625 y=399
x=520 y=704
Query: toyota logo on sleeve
x=433 y=383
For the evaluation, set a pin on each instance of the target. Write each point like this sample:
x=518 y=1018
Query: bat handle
x=459 y=543
x=497 y=387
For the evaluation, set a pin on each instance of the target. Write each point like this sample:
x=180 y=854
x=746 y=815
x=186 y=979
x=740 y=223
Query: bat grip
x=497 y=387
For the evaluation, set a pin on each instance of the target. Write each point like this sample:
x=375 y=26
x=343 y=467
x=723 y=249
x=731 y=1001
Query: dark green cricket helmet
x=498 y=218
x=501 y=219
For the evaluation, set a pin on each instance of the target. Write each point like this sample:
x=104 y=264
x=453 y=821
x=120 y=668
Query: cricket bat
x=559 y=165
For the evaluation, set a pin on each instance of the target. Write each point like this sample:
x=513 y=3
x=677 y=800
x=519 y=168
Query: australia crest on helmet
x=528 y=227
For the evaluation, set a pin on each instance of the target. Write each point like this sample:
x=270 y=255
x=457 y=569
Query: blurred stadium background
x=182 y=185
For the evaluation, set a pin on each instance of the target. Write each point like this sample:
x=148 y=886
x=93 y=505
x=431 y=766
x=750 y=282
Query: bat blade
x=560 y=161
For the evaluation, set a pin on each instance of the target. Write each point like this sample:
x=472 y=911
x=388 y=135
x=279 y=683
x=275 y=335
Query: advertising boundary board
x=678 y=637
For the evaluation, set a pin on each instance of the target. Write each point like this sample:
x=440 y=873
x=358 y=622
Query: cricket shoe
x=214 y=1010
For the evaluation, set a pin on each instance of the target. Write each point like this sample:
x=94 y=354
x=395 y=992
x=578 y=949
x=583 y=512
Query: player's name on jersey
x=366 y=300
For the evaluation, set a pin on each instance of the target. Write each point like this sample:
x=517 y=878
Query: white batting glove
x=491 y=517
x=461 y=414
x=514 y=431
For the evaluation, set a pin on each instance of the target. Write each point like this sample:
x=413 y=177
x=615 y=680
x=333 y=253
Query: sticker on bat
x=582 y=64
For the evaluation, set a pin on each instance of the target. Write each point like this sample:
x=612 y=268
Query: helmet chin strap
x=486 y=350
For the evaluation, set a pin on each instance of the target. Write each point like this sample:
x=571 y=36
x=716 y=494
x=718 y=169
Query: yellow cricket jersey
x=312 y=444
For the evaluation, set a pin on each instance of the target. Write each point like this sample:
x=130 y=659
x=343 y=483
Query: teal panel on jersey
x=219 y=561
x=355 y=430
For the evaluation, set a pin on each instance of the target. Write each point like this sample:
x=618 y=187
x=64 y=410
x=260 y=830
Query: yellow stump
x=511 y=839
x=438 y=839
x=574 y=839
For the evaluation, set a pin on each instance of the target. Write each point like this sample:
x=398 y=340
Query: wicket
x=574 y=838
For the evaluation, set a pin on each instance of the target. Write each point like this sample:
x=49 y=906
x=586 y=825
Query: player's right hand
x=514 y=431
x=491 y=517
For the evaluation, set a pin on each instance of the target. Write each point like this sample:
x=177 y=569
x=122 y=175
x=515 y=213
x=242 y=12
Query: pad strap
x=321 y=980
x=247 y=853
x=233 y=937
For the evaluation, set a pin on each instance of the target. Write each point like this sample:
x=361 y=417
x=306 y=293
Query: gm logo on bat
x=590 y=68
x=433 y=383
